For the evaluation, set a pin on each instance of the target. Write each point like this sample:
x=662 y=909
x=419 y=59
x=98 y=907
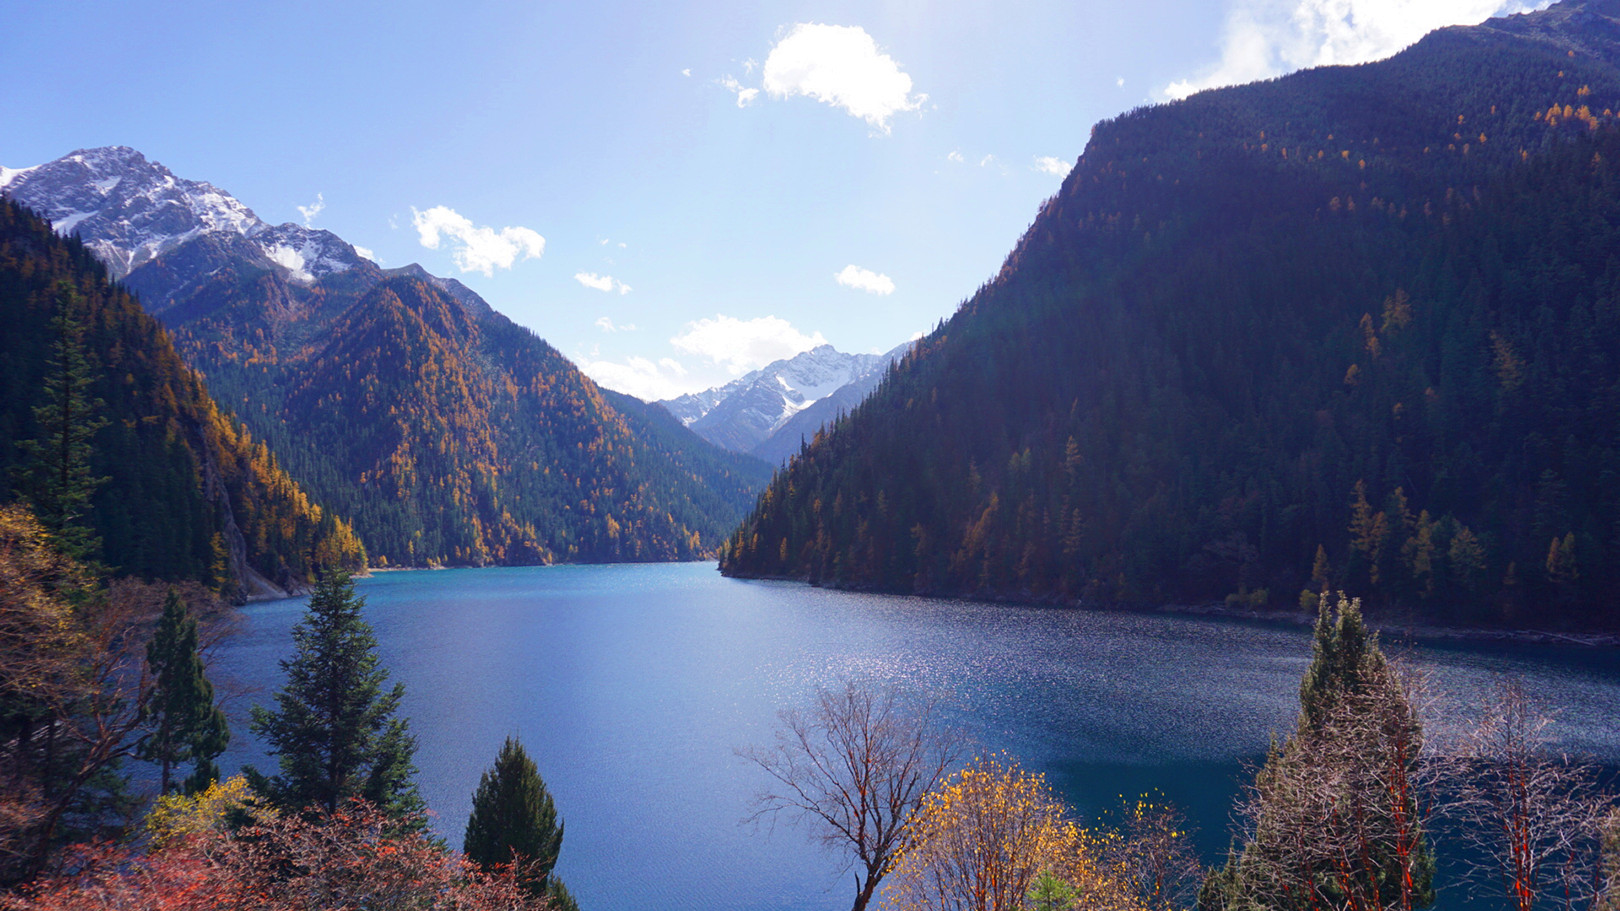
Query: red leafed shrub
x=354 y=858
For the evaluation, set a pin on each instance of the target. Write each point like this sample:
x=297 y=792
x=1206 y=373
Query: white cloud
x=744 y=345
x=363 y=251
x=842 y=66
x=987 y=161
x=639 y=377
x=745 y=96
x=866 y=280
x=1056 y=167
x=313 y=209
x=606 y=324
x=1120 y=82
x=686 y=72
x=477 y=248
x=954 y=157
x=1266 y=38
x=601 y=282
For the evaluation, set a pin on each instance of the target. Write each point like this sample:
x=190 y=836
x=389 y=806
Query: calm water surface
x=632 y=685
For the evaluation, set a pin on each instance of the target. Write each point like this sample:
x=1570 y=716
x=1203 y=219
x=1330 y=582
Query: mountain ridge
x=767 y=412
x=190 y=493
x=490 y=445
x=1353 y=308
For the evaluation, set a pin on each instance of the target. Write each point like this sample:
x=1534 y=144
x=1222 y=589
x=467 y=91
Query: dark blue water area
x=632 y=687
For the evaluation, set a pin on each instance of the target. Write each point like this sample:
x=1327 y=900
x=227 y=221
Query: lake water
x=631 y=686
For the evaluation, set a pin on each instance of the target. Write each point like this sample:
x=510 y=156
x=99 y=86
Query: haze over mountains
x=1351 y=327
x=449 y=434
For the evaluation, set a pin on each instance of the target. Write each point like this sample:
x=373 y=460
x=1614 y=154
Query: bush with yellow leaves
x=983 y=841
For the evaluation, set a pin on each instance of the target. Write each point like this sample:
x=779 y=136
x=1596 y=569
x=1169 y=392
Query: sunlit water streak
x=632 y=685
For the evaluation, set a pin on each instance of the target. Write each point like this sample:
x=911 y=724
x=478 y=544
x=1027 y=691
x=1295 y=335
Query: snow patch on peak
x=307 y=253
x=67 y=223
x=291 y=260
x=7 y=175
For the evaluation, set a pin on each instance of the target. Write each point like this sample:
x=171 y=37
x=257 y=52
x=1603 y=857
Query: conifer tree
x=334 y=729
x=1335 y=812
x=57 y=480
x=514 y=820
x=185 y=722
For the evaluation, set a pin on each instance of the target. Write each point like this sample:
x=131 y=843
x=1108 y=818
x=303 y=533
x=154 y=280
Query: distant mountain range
x=772 y=410
x=1356 y=327
x=447 y=433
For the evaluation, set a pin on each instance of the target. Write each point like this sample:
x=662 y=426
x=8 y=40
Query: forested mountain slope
x=448 y=433
x=189 y=494
x=1371 y=310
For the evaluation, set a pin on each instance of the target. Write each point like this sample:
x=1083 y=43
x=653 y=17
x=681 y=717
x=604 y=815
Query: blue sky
x=672 y=194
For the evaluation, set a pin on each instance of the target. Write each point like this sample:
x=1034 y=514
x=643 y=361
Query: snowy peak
x=129 y=211
x=744 y=414
x=798 y=381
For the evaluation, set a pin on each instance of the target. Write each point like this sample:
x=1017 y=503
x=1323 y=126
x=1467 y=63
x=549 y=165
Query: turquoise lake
x=631 y=686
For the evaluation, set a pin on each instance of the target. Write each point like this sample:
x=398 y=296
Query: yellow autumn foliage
x=981 y=840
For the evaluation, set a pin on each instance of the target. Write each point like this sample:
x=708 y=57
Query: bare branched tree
x=855 y=764
x=1153 y=855
x=1532 y=817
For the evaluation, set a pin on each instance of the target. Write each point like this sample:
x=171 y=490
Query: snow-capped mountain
x=425 y=425
x=130 y=211
x=767 y=412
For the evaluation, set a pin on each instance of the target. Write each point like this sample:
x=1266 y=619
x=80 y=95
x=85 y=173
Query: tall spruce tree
x=185 y=723
x=334 y=729
x=57 y=480
x=514 y=821
x=1335 y=813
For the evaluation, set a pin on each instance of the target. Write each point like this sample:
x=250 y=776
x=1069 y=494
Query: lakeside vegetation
x=1359 y=807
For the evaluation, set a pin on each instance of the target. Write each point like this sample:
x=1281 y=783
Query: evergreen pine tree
x=186 y=724
x=334 y=729
x=1333 y=808
x=514 y=821
x=558 y=898
x=57 y=480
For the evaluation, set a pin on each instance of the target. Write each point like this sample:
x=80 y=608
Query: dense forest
x=177 y=488
x=1355 y=327
x=449 y=433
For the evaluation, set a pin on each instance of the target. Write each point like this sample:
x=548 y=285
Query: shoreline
x=1389 y=626
x=1406 y=629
